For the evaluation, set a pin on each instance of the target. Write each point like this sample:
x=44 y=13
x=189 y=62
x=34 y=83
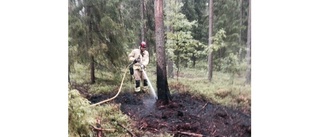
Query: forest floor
x=185 y=115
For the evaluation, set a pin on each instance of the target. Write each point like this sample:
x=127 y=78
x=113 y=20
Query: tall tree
x=230 y=15
x=248 y=75
x=90 y=44
x=142 y=19
x=197 y=10
x=162 y=82
x=180 y=45
x=148 y=25
x=96 y=34
x=210 y=56
x=240 y=24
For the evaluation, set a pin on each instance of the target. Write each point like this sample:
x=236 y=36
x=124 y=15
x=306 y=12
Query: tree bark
x=69 y=72
x=248 y=75
x=93 y=78
x=240 y=32
x=142 y=19
x=162 y=82
x=210 y=56
x=193 y=58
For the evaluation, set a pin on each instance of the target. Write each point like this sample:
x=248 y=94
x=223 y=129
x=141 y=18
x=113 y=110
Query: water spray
x=149 y=84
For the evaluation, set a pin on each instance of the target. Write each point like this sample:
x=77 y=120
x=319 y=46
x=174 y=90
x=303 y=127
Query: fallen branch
x=101 y=129
x=203 y=107
x=214 y=131
x=190 y=134
x=228 y=115
x=133 y=135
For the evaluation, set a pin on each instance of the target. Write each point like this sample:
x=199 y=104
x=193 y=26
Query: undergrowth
x=225 y=89
x=82 y=117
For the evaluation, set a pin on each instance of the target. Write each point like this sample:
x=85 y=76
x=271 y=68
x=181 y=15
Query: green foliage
x=197 y=10
x=218 y=40
x=227 y=16
x=96 y=30
x=181 y=47
x=102 y=88
x=225 y=90
x=79 y=74
x=81 y=116
x=174 y=18
x=232 y=64
x=114 y=28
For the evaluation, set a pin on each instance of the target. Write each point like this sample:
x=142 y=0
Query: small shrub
x=81 y=116
x=222 y=93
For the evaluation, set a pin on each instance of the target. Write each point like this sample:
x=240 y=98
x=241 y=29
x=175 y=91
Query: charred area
x=185 y=115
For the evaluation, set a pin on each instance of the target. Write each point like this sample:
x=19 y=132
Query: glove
x=136 y=60
x=142 y=66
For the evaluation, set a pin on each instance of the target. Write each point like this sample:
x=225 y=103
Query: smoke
x=149 y=103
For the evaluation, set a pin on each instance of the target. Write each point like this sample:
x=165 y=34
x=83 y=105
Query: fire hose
x=125 y=72
x=149 y=83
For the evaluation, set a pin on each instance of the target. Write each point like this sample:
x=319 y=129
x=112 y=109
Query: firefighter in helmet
x=140 y=59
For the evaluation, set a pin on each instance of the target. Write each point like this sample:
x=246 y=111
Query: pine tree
x=162 y=82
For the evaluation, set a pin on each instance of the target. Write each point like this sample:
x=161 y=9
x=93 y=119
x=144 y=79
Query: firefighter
x=140 y=59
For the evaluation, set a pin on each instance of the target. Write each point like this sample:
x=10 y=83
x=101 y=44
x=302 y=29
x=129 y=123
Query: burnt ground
x=184 y=116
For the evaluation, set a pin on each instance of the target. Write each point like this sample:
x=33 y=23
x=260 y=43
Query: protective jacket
x=144 y=58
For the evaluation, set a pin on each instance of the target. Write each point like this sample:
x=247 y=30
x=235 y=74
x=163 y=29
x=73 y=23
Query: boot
x=145 y=82
x=137 y=89
x=145 y=89
x=145 y=86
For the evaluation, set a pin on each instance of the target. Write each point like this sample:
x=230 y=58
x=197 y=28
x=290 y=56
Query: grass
x=224 y=89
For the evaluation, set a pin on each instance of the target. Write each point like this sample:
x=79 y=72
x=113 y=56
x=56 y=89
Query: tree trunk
x=248 y=75
x=240 y=24
x=91 y=45
x=69 y=72
x=210 y=64
x=162 y=82
x=170 y=69
x=149 y=37
x=93 y=78
x=142 y=19
x=193 y=58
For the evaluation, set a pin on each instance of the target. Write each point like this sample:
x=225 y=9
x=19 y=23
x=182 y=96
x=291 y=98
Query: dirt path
x=184 y=116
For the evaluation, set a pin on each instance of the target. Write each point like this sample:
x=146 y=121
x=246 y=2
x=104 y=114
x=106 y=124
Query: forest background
x=211 y=40
x=56 y=101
